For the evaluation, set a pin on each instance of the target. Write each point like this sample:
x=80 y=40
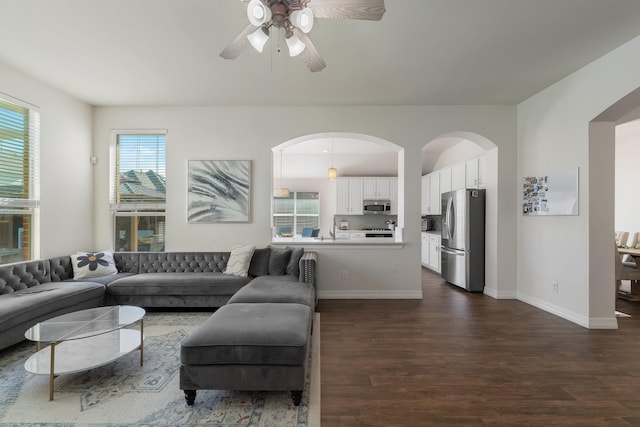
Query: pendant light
x=281 y=191
x=333 y=172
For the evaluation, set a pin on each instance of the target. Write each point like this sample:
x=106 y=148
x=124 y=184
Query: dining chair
x=625 y=271
x=307 y=232
x=621 y=238
x=632 y=242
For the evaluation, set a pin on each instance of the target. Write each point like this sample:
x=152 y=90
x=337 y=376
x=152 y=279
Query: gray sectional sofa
x=33 y=291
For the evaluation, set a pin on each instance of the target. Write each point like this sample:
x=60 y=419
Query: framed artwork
x=553 y=194
x=219 y=191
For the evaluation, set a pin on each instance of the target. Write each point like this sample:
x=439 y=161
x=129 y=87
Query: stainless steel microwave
x=380 y=207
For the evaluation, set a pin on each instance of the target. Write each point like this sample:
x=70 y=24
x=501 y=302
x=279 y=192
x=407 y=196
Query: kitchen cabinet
x=458 y=177
x=350 y=196
x=377 y=188
x=425 y=248
x=434 y=194
x=430 y=246
x=445 y=180
x=434 y=252
x=425 y=202
x=476 y=172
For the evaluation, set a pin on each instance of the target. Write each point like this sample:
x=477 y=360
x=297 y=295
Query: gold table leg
x=141 y=342
x=51 y=370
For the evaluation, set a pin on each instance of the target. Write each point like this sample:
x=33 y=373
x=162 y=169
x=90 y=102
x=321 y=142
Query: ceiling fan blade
x=371 y=10
x=238 y=44
x=310 y=54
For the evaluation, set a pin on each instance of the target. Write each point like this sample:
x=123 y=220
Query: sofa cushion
x=23 y=275
x=260 y=262
x=239 y=260
x=278 y=260
x=250 y=334
x=177 y=284
x=275 y=289
x=93 y=264
x=182 y=262
x=37 y=302
x=293 y=267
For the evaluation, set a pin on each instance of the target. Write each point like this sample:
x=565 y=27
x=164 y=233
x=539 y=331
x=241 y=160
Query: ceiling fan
x=296 y=18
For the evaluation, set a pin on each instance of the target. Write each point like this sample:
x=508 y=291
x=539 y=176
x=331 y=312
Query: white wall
x=221 y=133
x=66 y=190
x=554 y=133
x=626 y=175
x=461 y=152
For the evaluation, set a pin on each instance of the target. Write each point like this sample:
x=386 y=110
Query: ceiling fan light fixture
x=295 y=45
x=258 y=13
x=302 y=19
x=259 y=38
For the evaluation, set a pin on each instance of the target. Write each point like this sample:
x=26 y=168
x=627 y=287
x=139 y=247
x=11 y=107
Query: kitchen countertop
x=436 y=232
x=371 y=241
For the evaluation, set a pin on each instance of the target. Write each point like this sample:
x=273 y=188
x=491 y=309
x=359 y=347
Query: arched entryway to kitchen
x=369 y=269
x=453 y=161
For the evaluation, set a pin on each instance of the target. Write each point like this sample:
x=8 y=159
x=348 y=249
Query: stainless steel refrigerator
x=462 y=251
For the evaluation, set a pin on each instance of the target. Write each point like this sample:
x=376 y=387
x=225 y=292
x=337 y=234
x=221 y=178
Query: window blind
x=19 y=147
x=140 y=171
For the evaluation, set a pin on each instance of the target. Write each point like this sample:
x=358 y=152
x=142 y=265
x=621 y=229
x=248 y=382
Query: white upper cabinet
x=350 y=192
x=434 y=194
x=445 y=180
x=377 y=188
x=458 y=177
x=425 y=202
x=393 y=195
x=476 y=172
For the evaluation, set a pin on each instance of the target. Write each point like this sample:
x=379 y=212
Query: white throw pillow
x=93 y=264
x=239 y=260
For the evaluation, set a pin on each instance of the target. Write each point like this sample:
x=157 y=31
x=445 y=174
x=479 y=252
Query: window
x=138 y=191
x=19 y=186
x=299 y=210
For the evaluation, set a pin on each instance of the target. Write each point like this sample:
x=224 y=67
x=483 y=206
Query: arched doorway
x=455 y=149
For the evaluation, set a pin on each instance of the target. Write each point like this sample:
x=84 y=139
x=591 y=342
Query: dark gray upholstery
x=278 y=261
x=250 y=334
x=276 y=289
x=181 y=262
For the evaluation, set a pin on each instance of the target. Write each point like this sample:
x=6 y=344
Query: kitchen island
x=309 y=241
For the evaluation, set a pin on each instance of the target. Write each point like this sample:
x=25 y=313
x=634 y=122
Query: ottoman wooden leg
x=190 y=396
x=296 y=395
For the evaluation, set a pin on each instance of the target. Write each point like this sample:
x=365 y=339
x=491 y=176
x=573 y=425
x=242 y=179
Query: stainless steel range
x=377 y=232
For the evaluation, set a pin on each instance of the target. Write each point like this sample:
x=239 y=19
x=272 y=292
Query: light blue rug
x=125 y=394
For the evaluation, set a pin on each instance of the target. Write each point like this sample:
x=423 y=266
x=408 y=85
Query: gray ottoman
x=252 y=346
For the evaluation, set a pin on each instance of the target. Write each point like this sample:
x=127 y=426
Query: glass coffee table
x=84 y=340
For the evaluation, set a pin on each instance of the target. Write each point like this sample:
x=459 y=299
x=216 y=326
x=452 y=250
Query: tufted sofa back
x=23 y=275
x=181 y=262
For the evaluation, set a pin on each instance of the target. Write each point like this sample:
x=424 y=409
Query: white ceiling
x=165 y=52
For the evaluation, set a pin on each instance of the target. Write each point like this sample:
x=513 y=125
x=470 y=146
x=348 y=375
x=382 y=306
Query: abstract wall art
x=219 y=191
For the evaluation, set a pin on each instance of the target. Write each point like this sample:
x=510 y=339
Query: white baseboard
x=494 y=293
x=370 y=294
x=584 y=321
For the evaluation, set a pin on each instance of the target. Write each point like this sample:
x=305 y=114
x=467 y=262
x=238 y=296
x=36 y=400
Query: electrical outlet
x=555 y=286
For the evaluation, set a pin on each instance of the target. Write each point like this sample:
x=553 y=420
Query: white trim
x=19 y=102
x=587 y=322
x=139 y=131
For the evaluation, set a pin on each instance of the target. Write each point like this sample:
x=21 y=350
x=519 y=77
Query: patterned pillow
x=239 y=260
x=93 y=264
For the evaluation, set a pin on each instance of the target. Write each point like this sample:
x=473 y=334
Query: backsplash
x=360 y=222
x=436 y=222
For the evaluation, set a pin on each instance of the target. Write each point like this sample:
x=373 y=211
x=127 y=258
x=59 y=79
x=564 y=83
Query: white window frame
x=30 y=206
x=129 y=209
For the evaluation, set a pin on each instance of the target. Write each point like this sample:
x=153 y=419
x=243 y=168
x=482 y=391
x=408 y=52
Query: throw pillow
x=260 y=262
x=239 y=260
x=278 y=261
x=293 y=268
x=93 y=264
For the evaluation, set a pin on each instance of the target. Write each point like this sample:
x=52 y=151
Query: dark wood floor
x=460 y=359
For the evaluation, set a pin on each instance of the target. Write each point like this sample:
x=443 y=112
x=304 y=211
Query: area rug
x=124 y=394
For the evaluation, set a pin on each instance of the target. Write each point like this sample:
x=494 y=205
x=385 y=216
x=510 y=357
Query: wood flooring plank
x=455 y=358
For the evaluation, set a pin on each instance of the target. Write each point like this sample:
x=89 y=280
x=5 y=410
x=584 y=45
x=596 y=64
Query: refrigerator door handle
x=451 y=251
x=448 y=217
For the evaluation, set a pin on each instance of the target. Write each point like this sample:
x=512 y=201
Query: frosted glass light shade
x=303 y=19
x=258 y=39
x=333 y=173
x=258 y=13
x=281 y=192
x=295 y=45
